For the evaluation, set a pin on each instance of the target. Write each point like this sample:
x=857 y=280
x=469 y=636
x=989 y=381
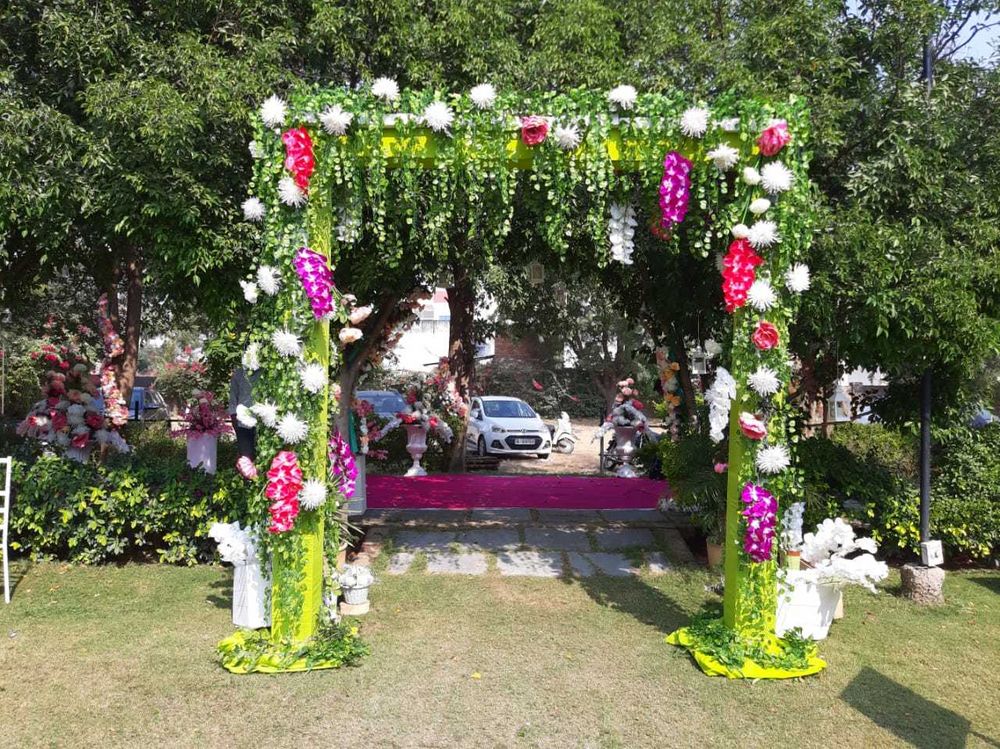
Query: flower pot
x=793 y=559
x=714 y=554
x=202 y=450
x=625 y=449
x=805 y=605
x=250 y=596
x=416 y=446
x=357 y=595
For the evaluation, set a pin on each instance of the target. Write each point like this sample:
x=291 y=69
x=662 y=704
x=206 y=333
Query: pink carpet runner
x=467 y=491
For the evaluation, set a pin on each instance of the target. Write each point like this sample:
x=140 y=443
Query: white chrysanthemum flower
x=740 y=231
x=724 y=156
x=290 y=193
x=245 y=417
x=267 y=412
x=483 y=95
x=763 y=234
x=253 y=209
x=797 y=278
x=751 y=176
x=256 y=150
x=336 y=120
x=730 y=124
x=764 y=381
x=251 y=357
x=759 y=206
x=292 y=429
x=313 y=377
x=761 y=295
x=567 y=137
x=250 y=291
x=273 y=111
x=773 y=459
x=694 y=122
x=312 y=494
x=776 y=177
x=268 y=279
x=385 y=88
x=438 y=116
x=624 y=96
x=286 y=342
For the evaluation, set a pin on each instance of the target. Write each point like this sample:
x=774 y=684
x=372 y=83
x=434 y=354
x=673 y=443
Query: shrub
x=689 y=467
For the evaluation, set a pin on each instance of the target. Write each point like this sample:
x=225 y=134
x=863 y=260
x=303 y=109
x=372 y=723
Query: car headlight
x=498 y=430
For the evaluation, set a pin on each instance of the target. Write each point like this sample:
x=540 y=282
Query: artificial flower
x=730 y=124
x=343 y=467
x=251 y=357
x=761 y=295
x=624 y=96
x=253 y=209
x=292 y=429
x=385 y=88
x=738 y=273
x=740 y=231
x=268 y=280
x=313 y=494
x=776 y=177
x=694 y=122
x=797 y=278
x=283 y=513
x=286 y=342
x=483 y=95
x=675 y=189
x=621 y=230
x=719 y=397
x=759 y=206
x=299 y=158
x=246 y=468
x=773 y=459
x=256 y=150
x=290 y=193
x=314 y=272
x=724 y=156
x=245 y=417
x=273 y=111
x=752 y=427
x=360 y=314
x=336 y=120
x=534 y=130
x=348 y=225
x=765 y=337
x=349 y=335
x=764 y=381
x=438 y=116
x=313 y=377
x=251 y=292
x=267 y=412
x=763 y=234
x=751 y=176
x=567 y=136
x=774 y=137
x=761 y=515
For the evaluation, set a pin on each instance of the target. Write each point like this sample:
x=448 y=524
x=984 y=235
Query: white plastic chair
x=6 y=464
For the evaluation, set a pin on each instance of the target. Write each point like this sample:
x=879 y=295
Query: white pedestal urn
x=416 y=446
x=625 y=450
x=250 y=608
x=202 y=450
x=80 y=454
x=805 y=604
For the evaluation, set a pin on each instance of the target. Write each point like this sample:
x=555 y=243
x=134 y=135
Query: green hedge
x=148 y=505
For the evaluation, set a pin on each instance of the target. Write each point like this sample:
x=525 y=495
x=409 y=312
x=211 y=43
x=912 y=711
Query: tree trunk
x=461 y=351
x=687 y=383
x=128 y=363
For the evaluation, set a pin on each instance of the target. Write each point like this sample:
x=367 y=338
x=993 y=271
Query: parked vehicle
x=386 y=403
x=147 y=405
x=499 y=425
x=563 y=439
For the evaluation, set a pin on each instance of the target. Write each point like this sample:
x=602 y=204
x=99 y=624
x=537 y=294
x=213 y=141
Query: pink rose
x=534 y=130
x=774 y=138
x=752 y=427
x=721 y=467
x=766 y=336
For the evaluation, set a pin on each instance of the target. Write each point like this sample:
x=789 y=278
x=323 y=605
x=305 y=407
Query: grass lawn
x=124 y=656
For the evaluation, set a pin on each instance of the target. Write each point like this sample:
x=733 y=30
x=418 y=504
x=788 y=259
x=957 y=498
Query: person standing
x=241 y=394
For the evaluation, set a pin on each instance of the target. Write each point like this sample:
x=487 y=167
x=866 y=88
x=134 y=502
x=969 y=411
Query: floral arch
x=406 y=166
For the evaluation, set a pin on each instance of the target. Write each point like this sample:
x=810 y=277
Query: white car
x=506 y=426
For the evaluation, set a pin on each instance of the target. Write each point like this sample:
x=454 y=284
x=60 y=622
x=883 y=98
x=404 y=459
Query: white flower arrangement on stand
x=238 y=547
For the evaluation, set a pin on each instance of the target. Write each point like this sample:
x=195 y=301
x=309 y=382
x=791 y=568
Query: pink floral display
x=284 y=482
x=534 y=130
x=752 y=427
x=738 y=273
x=761 y=513
x=317 y=280
x=342 y=465
x=114 y=405
x=204 y=416
x=299 y=155
x=675 y=189
x=246 y=468
x=774 y=137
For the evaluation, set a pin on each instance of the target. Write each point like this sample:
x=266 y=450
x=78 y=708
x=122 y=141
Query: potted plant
x=238 y=546
x=626 y=419
x=204 y=420
x=418 y=421
x=355 y=580
x=791 y=535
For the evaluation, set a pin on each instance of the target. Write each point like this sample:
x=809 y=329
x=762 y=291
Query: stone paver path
x=530 y=563
x=561 y=538
x=623 y=538
x=456 y=563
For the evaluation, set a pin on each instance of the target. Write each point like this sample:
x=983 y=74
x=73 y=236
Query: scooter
x=563 y=439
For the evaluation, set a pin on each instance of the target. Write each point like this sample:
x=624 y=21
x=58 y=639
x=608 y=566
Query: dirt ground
x=584 y=460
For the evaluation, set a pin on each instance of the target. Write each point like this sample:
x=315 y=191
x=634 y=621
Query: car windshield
x=508 y=409
x=384 y=403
